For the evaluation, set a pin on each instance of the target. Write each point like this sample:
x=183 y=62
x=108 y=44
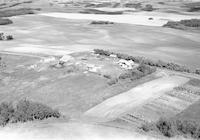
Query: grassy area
x=5 y=21
x=25 y=111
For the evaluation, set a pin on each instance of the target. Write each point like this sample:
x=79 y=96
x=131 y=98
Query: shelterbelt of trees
x=159 y=63
x=183 y=24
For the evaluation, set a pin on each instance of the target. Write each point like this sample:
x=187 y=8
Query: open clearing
x=114 y=107
x=73 y=88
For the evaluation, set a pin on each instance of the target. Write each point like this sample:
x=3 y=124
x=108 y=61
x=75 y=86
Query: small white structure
x=126 y=64
x=48 y=60
x=113 y=55
x=66 y=58
x=93 y=68
x=34 y=66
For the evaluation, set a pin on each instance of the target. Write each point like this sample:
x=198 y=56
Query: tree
x=197 y=71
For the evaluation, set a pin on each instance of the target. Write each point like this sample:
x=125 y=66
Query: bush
x=6 y=113
x=145 y=69
x=112 y=81
x=148 y=127
x=3 y=37
x=173 y=24
x=9 y=37
x=197 y=71
x=5 y=21
x=102 y=52
x=29 y=111
x=107 y=76
x=148 y=7
x=165 y=127
x=173 y=127
x=134 y=74
x=191 y=22
x=25 y=111
x=101 y=22
x=186 y=127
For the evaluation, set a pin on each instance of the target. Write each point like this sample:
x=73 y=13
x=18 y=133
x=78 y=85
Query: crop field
x=168 y=105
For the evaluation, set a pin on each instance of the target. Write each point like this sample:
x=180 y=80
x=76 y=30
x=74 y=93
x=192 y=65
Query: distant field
x=42 y=35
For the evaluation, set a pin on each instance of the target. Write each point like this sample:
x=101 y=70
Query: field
x=51 y=59
x=41 y=35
